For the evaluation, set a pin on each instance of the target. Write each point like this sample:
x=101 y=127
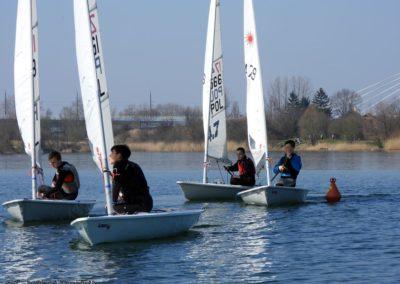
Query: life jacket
x=71 y=181
x=245 y=167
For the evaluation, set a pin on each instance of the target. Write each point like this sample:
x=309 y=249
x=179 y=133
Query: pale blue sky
x=158 y=45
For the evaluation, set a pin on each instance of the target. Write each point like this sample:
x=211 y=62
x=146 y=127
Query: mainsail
x=214 y=114
x=94 y=91
x=26 y=82
x=256 y=122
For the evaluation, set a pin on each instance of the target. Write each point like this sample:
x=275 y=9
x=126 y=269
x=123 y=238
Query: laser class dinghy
x=26 y=84
x=256 y=123
x=111 y=228
x=214 y=118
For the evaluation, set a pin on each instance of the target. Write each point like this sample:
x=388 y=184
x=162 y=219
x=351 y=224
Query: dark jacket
x=245 y=167
x=65 y=180
x=292 y=165
x=130 y=185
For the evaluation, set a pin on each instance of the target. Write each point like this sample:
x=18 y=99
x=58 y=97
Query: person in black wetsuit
x=65 y=184
x=130 y=191
x=245 y=167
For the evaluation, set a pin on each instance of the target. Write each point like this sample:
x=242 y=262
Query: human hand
x=282 y=168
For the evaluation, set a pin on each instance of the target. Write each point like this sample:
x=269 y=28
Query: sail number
x=213 y=134
x=217 y=100
x=251 y=71
x=96 y=52
x=34 y=69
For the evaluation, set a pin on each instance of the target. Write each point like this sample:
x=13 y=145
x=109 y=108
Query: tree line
x=293 y=110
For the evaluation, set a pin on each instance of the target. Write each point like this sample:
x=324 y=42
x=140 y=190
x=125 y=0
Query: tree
x=304 y=102
x=293 y=101
x=345 y=101
x=235 y=110
x=313 y=124
x=348 y=127
x=321 y=102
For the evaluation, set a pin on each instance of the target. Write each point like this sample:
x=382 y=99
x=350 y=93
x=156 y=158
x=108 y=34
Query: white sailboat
x=110 y=228
x=256 y=123
x=27 y=99
x=214 y=117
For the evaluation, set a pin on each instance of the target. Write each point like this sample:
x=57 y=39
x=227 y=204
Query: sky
x=159 y=46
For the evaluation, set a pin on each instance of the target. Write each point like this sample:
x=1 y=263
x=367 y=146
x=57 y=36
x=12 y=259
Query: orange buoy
x=333 y=195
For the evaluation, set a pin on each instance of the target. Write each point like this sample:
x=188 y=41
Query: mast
x=207 y=82
x=33 y=142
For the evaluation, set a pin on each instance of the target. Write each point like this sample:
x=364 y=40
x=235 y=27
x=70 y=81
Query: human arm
x=276 y=169
x=232 y=168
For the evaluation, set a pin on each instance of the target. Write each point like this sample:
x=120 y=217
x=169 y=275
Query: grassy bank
x=392 y=144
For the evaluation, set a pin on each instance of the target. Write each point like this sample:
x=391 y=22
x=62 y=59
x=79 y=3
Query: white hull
x=274 y=195
x=27 y=210
x=197 y=191
x=143 y=226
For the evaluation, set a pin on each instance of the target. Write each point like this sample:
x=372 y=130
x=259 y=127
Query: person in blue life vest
x=245 y=167
x=288 y=166
x=65 y=183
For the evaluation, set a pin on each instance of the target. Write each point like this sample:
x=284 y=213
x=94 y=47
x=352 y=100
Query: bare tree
x=235 y=110
x=345 y=101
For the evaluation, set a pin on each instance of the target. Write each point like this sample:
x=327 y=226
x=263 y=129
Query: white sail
x=26 y=82
x=92 y=78
x=94 y=91
x=214 y=114
x=256 y=121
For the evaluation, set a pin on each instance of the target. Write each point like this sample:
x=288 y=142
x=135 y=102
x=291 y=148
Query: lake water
x=356 y=240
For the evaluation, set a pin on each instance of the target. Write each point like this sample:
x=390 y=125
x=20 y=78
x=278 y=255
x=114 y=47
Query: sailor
x=288 y=166
x=130 y=191
x=245 y=167
x=65 y=184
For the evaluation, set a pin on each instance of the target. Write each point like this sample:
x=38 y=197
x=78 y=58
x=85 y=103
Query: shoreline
x=390 y=145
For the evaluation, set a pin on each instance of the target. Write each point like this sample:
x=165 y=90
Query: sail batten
x=255 y=109
x=214 y=113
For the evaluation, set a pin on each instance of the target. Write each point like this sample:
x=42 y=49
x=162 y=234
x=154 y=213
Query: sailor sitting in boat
x=288 y=166
x=130 y=191
x=65 y=184
x=245 y=167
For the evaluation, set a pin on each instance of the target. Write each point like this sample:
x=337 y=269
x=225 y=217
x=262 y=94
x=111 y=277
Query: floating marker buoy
x=333 y=195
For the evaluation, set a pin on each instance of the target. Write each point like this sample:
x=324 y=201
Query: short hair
x=55 y=154
x=291 y=143
x=123 y=150
x=241 y=149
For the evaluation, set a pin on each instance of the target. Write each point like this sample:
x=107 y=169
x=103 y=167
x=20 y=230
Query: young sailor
x=65 y=184
x=130 y=191
x=288 y=166
x=245 y=167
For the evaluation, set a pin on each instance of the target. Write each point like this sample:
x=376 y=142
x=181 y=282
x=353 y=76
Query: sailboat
x=96 y=104
x=256 y=124
x=214 y=118
x=27 y=103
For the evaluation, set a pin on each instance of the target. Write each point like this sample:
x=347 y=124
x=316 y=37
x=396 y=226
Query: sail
x=256 y=122
x=214 y=114
x=92 y=79
x=26 y=78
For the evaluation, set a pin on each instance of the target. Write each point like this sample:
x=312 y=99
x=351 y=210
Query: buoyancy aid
x=71 y=181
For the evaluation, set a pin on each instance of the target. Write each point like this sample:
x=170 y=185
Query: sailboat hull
x=274 y=196
x=143 y=226
x=197 y=191
x=29 y=210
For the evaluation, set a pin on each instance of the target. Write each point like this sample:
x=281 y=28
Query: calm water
x=356 y=240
